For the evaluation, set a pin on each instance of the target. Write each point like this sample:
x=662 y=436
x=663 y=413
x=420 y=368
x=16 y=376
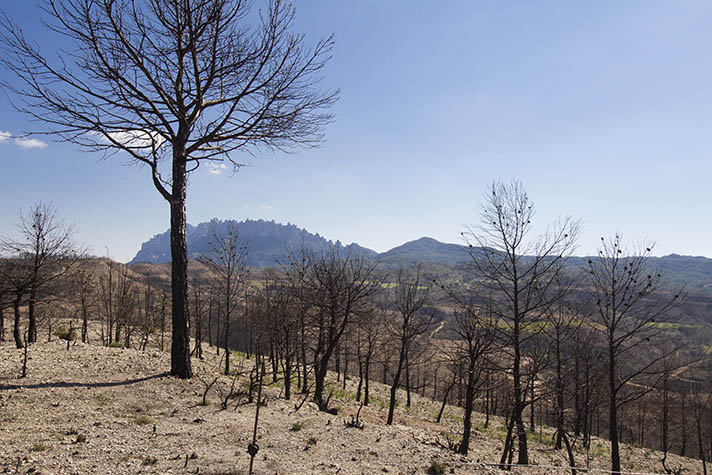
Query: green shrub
x=437 y=468
x=296 y=427
x=143 y=420
x=66 y=334
x=114 y=344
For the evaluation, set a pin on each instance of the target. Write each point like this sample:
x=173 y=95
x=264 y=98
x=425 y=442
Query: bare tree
x=84 y=291
x=564 y=319
x=281 y=315
x=200 y=309
x=5 y=293
x=475 y=330
x=119 y=304
x=369 y=334
x=46 y=251
x=176 y=81
x=411 y=295
x=336 y=285
x=517 y=272
x=227 y=259
x=16 y=281
x=630 y=307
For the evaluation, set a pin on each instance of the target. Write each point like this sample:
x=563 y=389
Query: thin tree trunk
x=2 y=323
x=360 y=381
x=287 y=376
x=226 y=337
x=700 y=445
x=559 y=395
x=407 y=381
x=683 y=441
x=469 y=406
x=394 y=387
x=613 y=414
x=31 y=317
x=346 y=362
x=85 y=324
x=305 y=386
x=16 y=332
x=365 y=388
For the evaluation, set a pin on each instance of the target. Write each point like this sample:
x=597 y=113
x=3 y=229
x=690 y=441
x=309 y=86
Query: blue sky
x=602 y=109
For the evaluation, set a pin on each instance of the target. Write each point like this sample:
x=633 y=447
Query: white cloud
x=4 y=136
x=137 y=139
x=216 y=169
x=30 y=143
x=266 y=207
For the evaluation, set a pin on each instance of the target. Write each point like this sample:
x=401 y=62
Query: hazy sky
x=602 y=109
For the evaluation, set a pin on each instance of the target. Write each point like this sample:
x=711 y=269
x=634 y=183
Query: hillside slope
x=94 y=409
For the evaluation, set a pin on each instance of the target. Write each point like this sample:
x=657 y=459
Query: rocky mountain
x=267 y=242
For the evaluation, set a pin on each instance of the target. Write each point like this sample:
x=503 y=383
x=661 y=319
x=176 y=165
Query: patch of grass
x=296 y=427
x=339 y=393
x=40 y=447
x=102 y=399
x=543 y=438
x=114 y=344
x=454 y=417
x=143 y=420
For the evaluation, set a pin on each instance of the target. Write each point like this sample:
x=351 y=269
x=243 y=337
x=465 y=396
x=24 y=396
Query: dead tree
x=407 y=325
x=47 y=252
x=564 y=319
x=118 y=301
x=335 y=284
x=227 y=259
x=84 y=290
x=518 y=272
x=701 y=402
x=370 y=333
x=16 y=281
x=630 y=307
x=280 y=314
x=177 y=81
x=199 y=311
x=475 y=331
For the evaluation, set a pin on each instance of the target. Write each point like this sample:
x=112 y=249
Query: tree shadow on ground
x=66 y=384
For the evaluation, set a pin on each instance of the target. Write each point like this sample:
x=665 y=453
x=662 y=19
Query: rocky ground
x=93 y=409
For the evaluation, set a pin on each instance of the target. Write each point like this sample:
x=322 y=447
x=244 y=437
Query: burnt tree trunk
x=16 y=333
x=2 y=323
x=180 y=341
x=31 y=317
x=469 y=406
x=613 y=413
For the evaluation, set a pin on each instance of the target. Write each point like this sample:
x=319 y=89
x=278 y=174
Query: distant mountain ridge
x=268 y=241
